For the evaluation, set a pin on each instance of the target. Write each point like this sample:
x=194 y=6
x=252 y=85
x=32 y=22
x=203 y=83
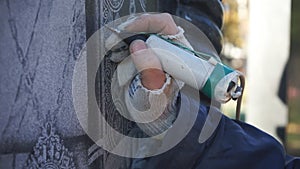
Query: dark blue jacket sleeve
x=234 y=145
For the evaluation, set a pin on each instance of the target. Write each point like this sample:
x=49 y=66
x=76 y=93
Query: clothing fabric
x=153 y=110
x=233 y=145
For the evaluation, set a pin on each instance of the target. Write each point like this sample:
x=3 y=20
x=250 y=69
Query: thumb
x=143 y=57
x=147 y=63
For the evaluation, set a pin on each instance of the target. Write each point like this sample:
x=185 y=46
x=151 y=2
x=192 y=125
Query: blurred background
x=262 y=39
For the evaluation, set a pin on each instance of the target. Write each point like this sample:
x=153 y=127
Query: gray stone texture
x=39 y=43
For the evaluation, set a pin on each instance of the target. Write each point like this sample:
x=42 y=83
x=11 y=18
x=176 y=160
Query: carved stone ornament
x=49 y=152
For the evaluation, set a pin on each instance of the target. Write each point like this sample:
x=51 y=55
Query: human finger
x=147 y=64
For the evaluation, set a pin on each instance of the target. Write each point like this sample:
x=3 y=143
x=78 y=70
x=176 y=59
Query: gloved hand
x=152 y=75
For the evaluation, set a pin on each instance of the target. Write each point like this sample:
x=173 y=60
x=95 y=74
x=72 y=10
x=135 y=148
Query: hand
x=152 y=75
